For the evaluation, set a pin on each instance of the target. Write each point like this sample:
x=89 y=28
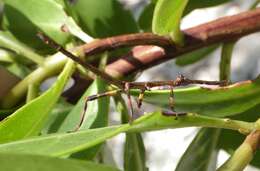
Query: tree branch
x=143 y=57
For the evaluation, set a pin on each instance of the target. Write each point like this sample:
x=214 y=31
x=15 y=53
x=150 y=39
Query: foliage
x=39 y=128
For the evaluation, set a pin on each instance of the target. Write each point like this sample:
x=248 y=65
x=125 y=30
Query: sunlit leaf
x=29 y=119
x=66 y=143
x=63 y=143
x=22 y=162
x=34 y=13
x=167 y=18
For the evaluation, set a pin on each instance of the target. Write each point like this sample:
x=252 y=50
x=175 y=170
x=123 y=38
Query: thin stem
x=225 y=62
x=32 y=93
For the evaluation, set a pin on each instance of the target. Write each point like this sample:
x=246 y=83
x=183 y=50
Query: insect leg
x=130 y=104
x=171 y=98
x=140 y=98
x=91 y=98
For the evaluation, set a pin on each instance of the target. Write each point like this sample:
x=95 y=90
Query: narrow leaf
x=145 y=19
x=195 y=56
x=29 y=119
x=96 y=115
x=134 y=154
x=113 y=19
x=22 y=162
x=167 y=19
x=51 y=23
x=97 y=110
x=134 y=150
x=222 y=101
x=67 y=143
x=63 y=143
x=201 y=155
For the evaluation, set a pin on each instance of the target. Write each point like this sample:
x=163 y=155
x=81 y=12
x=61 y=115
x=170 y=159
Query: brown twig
x=127 y=40
x=143 y=57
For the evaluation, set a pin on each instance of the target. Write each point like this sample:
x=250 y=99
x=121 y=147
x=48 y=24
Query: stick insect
x=100 y=46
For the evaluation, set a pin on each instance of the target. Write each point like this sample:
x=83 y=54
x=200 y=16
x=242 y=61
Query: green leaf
x=97 y=111
x=134 y=150
x=63 y=143
x=134 y=154
x=47 y=15
x=22 y=162
x=103 y=18
x=217 y=102
x=201 y=155
x=67 y=143
x=145 y=19
x=96 y=115
x=29 y=119
x=56 y=117
x=195 y=56
x=167 y=18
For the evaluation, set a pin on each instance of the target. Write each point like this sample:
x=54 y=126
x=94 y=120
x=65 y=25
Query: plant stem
x=158 y=120
x=243 y=155
x=32 y=93
x=52 y=66
x=225 y=62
